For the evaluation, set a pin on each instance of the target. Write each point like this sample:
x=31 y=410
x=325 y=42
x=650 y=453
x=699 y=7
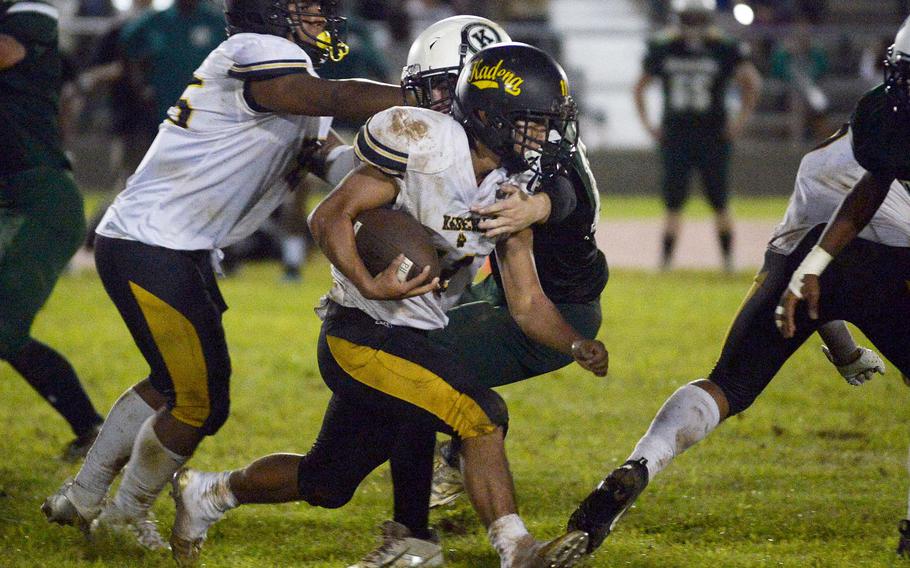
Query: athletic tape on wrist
x=814 y=263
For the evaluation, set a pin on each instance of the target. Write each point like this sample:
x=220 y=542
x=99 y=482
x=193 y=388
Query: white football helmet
x=694 y=16
x=436 y=57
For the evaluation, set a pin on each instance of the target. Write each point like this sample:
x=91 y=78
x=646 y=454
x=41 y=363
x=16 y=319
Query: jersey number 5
x=180 y=113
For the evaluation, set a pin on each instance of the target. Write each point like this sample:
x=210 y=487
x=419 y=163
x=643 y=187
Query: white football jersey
x=826 y=175
x=428 y=155
x=217 y=168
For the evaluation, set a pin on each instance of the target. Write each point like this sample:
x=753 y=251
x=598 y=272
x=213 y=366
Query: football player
x=41 y=216
x=393 y=385
x=869 y=289
x=562 y=209
x=695 y=64
x=218 y=167
x=843 y=260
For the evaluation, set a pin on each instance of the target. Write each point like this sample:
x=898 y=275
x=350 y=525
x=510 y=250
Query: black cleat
x=903 y=545
x=606 y=504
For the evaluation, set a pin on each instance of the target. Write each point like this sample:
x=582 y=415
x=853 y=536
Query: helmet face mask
x=438 y=54
x=313 y=25
x=433 y=89
x=514 y=99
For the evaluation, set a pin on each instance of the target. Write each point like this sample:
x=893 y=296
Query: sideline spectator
x=165 y=48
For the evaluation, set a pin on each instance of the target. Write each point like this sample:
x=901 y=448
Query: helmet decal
x=491 y=76
x=480 y=35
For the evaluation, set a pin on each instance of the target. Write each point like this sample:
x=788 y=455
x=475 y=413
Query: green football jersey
x=30 y=89
x=881 y=137
x=695 y=77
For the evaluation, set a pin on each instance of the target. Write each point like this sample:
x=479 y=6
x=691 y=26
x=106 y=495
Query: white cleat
x=561 y=552
x=192 y=518
x=401 y=550
x=143 y=529
x=62 y=509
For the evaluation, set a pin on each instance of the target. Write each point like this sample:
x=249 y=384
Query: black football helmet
x=897 y=70
x=283 y=17
x=505 y=89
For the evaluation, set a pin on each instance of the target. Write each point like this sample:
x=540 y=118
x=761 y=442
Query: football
x=383 y=234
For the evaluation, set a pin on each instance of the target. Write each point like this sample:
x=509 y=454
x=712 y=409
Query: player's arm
x=332 y=226
x=11 y=51
x=852 y=216
x=333 y=159
x=301 y=93
x=533 y=311
x=638 y=92
x=551 y=204
x=748 y=79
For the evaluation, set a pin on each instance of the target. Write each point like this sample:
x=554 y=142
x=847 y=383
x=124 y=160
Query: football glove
x=861 y=370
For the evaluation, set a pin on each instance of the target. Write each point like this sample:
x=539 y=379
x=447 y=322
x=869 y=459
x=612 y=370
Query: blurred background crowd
x=131 y=59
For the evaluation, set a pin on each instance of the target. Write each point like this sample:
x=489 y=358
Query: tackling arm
x=300 y=93
x=332 y=225
x=533 y=311
x=11 y=51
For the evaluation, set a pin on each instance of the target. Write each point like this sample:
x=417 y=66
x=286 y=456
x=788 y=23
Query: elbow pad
x=562 y=198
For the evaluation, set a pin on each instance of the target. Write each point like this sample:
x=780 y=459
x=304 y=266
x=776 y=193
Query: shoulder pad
x=256 y=56
x=408 y=138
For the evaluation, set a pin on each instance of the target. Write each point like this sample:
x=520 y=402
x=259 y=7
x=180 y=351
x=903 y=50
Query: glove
x=861 y=370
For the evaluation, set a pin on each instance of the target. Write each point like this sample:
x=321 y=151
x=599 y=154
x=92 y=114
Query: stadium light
x=744 y=14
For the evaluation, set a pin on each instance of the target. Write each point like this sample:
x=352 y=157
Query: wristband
x=814 y=263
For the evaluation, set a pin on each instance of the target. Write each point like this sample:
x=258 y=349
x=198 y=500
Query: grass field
x=813 y=475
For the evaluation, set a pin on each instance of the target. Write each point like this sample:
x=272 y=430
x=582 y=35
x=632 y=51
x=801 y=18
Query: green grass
x=622 y=207
x=812 y=475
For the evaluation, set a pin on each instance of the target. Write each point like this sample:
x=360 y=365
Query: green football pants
x=42 y=224
x=491 y=344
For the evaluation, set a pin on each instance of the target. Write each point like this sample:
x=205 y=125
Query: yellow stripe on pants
x=408 y=381
x=179 y=344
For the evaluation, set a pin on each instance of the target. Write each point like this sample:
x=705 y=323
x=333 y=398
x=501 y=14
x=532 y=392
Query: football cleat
x=600 y=510
x=400 y=549
x=60 y=508
x=79 y=447
x=143 y=529
x=192 y=518
x=448 y=483
x=561 y=552
x=903 y=545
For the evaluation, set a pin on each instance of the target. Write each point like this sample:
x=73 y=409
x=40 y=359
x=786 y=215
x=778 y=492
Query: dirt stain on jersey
x=403 y=125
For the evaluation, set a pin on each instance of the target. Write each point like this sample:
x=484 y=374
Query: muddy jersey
x=219 y=164
x=826 y=175
x=428 y=156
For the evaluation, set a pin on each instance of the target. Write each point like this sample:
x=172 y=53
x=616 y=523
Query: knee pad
x=494 y=406
x=322 y=485
x=326 y=497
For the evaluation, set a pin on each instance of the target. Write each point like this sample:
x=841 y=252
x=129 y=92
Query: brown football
x=383 y=234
